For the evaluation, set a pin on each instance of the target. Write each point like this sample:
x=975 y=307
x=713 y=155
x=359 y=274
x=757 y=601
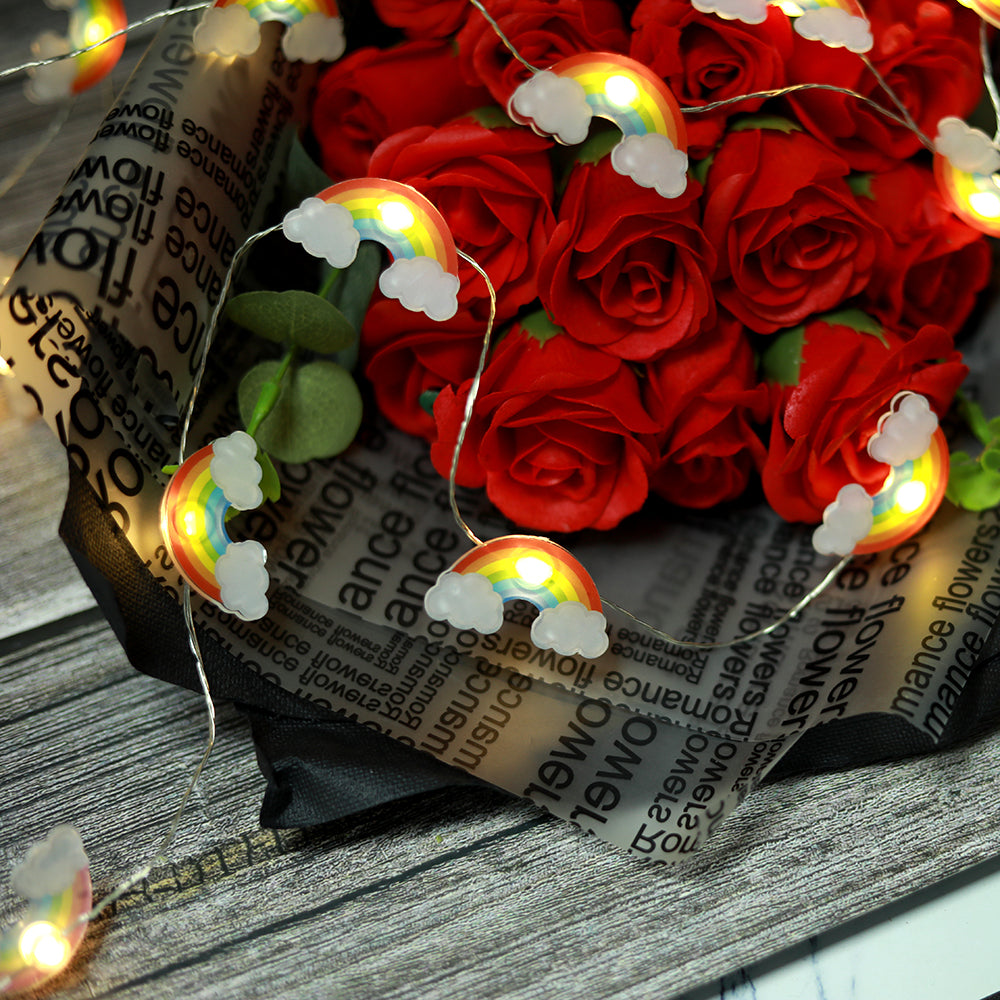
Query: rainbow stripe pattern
x=834 y=22
x=89 y=22
x=909 y=498
x=58 y=914
x=974 y=198
x=626 y=93
x=285 y=11
x=532 y=569
x=193 y=520
x=397 y=216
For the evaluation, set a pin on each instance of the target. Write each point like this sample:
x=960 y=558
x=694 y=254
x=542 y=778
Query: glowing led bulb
x=190 y=522
x=533 y=571
x=96 y=30
x=910 y=496
x=43 y=945
x=621 y=90
x=986 y=204
x=396 y=216
x=5 y=369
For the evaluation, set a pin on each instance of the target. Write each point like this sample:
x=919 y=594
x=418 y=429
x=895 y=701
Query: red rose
x=425 y=18
x=706 y=397
x=410 y=358
x=372 y=93
x=626 y=269
x=936 y=264
x=542 y=31
x=494 y=189
x=704 y=59
x=830 y=383
x=791 y=236
x=559 y=436
x=928 y=53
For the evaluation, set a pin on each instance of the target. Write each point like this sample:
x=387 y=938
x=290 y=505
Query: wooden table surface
x=457 y=894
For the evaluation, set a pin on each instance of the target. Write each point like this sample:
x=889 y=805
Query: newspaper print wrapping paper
x=651 y=745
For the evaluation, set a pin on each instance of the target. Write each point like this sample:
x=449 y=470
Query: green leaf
x=781 y=362
x=491 y=116
x=295 y=317
x=598 y=145
x=270 y=484
x=303 y=177
x=700 y=168
x=317 y=414
x=538 y=326
x=353 y=289
x=970 y=485
x=861 y=185
x=776 y=122
x=427 y=399
x=856 y=320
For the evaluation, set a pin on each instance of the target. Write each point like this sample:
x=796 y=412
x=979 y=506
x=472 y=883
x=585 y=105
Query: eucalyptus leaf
x=317 y=414
x=354 y=286
x=303 y=177
x=294 y=317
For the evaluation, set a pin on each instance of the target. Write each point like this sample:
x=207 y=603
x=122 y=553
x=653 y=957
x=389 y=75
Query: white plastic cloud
x=905 y=434
x=846 y=522
x=554 y=105
x=227 y=31
x=652 y=162
x=571 y=629
x=748 y=11
x=235 y=469
x=243 y=579
x=465 y=600
x=966 y=148
x=54 y=82
x=836 y=28
x=50 y=865
x=423 y=285
x=316 y=38
x=325 y=230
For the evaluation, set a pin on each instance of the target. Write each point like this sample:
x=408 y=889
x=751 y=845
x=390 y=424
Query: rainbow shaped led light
x=836 y=23
x=470 y=594
x=315 y=30
x=90 y=21
x=973 y=197
x=424 y=270
x=562 y=100
x=988 y=10
x=55 y=878
x=193 y=522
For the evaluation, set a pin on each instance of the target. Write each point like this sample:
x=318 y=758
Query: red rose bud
x=371 y=94
x=559 y=436
x=928 y=52
x=704 y=59
x=543 y=32
x=934 y=265
x=791 y=236
x=627 y=270
x=706 y=397
x=494 y=189
x=409 y=359
x=830 y=381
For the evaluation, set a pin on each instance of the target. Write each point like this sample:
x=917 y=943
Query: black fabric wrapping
x=320 y=768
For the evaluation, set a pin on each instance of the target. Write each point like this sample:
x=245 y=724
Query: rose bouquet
x=758 y=324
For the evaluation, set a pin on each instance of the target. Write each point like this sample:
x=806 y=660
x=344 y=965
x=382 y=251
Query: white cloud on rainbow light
x=748 y=11
x=836 y=28
x=234 y=467
x=905 y=434
x=571 y=629
x=846 y=522
x=652 y=161
x=422 y=285
x=968 y=149
x=325 y=230
x=55 y=81
x=227 y=31
x=555 y=105
x=316 y=38
x=243 y=579
x=465 y=601
x=50 y=865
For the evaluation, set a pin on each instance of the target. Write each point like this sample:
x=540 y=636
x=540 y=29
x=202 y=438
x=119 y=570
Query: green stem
x=972 y=414
x=329 y=282
x=269 y=393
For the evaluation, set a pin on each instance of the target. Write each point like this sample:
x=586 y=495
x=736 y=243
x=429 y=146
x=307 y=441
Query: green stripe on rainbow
x=397 y=216
x=627 y=93
x=533 y=569
x=285 y=11
x=909 y=498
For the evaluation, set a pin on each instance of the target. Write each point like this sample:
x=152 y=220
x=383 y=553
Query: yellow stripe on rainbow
x=533 y=569
x=974 y=198
x=627 y=93
x=397 y=216
x=909 y=498
x=988 y=10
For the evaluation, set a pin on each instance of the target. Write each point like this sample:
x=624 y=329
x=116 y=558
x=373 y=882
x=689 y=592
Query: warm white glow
x=190 y=521
x=396 y=215
x=911 y=496
x=96 y=30
x=621 y=90
x=43 y=945
x=986 y=204
x=533 y=571
x=5 y=369
x=790 y=8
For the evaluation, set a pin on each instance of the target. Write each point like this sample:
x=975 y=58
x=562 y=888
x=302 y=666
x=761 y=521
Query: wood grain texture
x=453 y=895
